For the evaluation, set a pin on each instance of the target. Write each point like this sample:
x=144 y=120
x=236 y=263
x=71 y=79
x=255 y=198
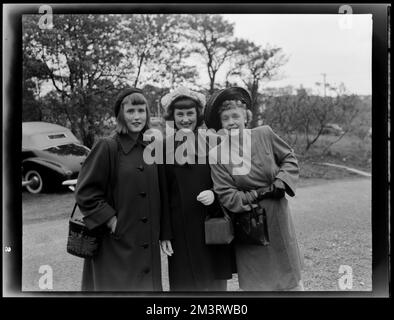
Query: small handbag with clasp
x=250 y=227
x=219 y=230
x=82 y=242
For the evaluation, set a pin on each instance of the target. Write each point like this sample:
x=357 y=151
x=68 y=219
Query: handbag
x=83 y=242
x=250 y=227
x=219 y=230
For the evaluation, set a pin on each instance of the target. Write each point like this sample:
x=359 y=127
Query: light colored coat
x=278 y=265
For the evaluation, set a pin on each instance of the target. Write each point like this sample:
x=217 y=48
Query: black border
x=12 y=137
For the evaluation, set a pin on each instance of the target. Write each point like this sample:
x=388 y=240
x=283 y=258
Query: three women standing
x=138 y=204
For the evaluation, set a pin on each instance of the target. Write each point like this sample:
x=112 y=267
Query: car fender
x=47 y=164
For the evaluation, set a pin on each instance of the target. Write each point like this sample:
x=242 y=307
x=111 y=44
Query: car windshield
x=69 y=149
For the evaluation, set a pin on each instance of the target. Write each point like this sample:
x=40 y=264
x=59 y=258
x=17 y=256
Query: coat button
x=146 y=270
x=143 y=194
x=144 y=219
x=141 y=168
x=145 y=245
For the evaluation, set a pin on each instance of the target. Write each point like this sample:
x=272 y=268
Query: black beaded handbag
x=83 y=242
x=250 y=227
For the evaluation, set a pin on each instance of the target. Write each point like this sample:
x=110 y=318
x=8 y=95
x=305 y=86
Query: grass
x=350 y=151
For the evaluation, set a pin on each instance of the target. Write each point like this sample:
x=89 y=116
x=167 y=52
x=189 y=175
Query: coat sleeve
x=165 y=218
x=93 y=182
x=229 y=195
x=286 y=160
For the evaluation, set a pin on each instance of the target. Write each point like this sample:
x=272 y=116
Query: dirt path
x=333 y=223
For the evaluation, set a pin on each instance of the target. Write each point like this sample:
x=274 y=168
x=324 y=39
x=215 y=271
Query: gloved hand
x=206 y=197
x=274 y=191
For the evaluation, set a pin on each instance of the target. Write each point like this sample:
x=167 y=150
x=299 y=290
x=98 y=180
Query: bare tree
x=212 y=38
x=255 y=65
x=302 y=118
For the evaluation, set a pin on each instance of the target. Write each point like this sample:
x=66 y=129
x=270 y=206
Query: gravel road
x=332 y=219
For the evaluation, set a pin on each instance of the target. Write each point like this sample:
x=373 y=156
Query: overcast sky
x=315 y=44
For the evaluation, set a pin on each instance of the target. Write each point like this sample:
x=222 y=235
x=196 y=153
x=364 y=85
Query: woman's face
x=135 y=116
x=233 y=118
x=185 y=118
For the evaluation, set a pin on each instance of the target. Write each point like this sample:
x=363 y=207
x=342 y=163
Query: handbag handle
x=224 y=210
x=72 y=213
x=253 y=209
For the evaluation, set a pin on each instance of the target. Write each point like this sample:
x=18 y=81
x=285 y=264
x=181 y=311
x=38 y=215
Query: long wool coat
x=278 y=265
x=129 y=259
x=194 y=266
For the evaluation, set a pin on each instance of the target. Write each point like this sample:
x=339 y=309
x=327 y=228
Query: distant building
x=288 y=90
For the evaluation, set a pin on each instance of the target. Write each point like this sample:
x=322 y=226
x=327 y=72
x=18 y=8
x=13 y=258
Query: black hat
x=122 y=95
x=211 y=115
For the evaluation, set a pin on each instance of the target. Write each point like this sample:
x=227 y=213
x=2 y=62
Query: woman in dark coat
x=124 y=202
x=193 y=265
x=270 y=171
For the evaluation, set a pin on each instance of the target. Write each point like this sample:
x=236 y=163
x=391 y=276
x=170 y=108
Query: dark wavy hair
x=185 y=103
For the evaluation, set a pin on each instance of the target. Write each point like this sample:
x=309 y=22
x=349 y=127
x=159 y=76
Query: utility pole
x=324 y=84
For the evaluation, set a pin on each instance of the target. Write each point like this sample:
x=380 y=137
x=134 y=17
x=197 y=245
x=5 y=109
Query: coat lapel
x=127 y=142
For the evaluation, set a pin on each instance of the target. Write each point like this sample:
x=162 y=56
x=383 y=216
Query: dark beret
x=211 y=115
x=124 y=93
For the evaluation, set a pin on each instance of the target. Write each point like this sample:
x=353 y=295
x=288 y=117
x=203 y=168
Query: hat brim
x=211 y=114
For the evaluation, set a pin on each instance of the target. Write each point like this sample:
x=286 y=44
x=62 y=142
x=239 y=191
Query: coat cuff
x=99 y=217
x=288 y=181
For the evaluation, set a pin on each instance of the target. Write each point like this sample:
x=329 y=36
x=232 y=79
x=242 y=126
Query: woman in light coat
x=270 y=171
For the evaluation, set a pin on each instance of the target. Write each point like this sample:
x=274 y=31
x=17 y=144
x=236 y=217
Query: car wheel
x=38 y=183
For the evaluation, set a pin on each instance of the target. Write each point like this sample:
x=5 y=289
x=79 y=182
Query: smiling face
x=233 y=118
x=134 y=116
x=185 y=118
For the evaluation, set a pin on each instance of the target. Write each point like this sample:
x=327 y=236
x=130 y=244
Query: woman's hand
x=206 y=197
x=111 y=223
x=274 y=191
x=167 y=247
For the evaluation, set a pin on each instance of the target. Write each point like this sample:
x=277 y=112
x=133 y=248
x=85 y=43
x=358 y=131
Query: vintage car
x=50 y=155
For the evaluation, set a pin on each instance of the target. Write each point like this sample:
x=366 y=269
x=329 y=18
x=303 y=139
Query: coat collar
x=127 y=142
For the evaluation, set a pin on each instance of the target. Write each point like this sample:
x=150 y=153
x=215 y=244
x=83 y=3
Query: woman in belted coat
x=193 y=265
x=125 y=202
x=269 y=172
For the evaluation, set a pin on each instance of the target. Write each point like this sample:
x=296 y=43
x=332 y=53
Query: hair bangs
x=184 y=103
x=135 y=99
